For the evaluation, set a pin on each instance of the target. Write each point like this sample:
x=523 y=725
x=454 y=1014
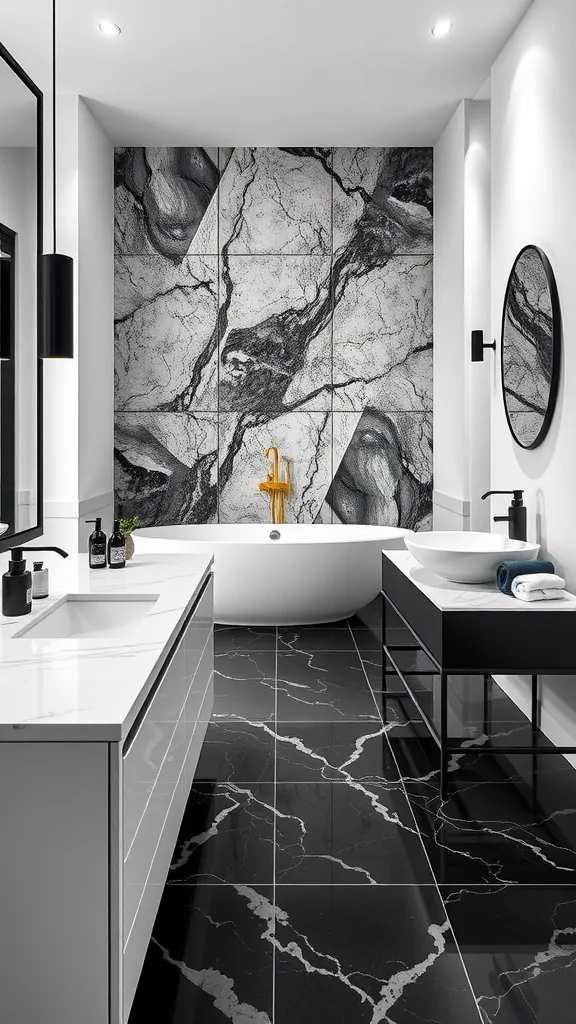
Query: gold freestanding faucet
x=276 y=488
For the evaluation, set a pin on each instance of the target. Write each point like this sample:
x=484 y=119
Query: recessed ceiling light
x=108 y=28
x=442 y=28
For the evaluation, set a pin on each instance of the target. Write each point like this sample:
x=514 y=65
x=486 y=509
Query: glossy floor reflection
x=318 y=876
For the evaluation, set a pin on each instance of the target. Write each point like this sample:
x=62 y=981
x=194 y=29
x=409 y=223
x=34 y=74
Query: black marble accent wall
x=274 y=297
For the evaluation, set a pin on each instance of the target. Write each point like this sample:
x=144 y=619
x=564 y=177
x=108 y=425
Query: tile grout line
x=425 y=851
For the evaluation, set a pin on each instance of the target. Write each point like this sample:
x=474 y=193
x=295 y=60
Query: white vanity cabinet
x=87 y=831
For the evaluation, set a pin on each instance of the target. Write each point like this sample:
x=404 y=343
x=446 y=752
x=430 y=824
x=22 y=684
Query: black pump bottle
x=117 y=548
x=97 y=545
x=17 y=582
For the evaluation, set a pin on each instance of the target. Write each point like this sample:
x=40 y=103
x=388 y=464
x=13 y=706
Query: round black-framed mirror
x=531 y=347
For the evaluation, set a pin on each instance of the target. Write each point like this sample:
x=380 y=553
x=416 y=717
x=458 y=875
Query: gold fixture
x=277 y=488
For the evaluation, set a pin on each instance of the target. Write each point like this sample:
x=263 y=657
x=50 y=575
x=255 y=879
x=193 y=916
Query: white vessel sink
x=81 y=616
x=467 y=557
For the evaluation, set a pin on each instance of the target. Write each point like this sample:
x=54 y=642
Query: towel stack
x=534 y=580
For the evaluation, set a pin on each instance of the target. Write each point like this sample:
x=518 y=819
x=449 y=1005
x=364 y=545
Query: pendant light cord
x=54 y=120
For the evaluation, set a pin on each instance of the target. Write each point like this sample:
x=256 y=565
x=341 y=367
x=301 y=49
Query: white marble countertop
x=81 y=689
x=465 y=596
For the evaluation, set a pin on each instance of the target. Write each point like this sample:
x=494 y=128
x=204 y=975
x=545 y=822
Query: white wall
x=461 y=304
x=79 y=393
x=533 y=175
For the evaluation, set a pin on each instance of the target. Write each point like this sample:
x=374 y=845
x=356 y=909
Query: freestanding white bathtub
x=284 y=575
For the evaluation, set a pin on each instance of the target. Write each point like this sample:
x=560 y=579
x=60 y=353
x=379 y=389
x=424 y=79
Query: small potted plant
x=126 y=527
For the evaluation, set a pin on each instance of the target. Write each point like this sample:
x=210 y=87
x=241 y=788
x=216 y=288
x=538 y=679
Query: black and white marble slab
x=237 y=751
x=382 y=201
x=519 y=948
x=339 y=817
x=303 y=437
x=165 y=200
x=275 y=334
x=363 y=954
x=210 y=958
x=269 y=288
x=382 y=466
x=276 y=200
x=165 y=466
x=226 y=835
x=347 y=834
x=166 y=333
x=244 y=686
x=383 y=338
x=334 y=752
x=322 y=686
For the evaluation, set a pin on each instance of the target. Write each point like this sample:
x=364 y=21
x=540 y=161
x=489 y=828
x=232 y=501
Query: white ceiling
x=266 y=72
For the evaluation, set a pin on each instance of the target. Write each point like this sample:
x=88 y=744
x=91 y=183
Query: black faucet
x=516 y=517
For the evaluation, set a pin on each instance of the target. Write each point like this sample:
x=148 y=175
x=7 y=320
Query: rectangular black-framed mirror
x=21 y=224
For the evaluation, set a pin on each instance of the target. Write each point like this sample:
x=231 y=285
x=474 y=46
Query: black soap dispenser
x=117 y=548
x=97 y=545
x=17 y=582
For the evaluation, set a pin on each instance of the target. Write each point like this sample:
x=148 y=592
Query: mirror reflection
x=18 y=272
x=530 y=347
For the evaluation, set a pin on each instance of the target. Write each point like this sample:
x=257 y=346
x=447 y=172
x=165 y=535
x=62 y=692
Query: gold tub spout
x=276 y=488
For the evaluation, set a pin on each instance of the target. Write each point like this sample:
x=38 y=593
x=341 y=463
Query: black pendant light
x=56 y=277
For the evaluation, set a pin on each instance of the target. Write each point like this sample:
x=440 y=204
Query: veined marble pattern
x=382 y=468
x=314 y=299
x=318 y=875
x=528 y=346
x=303 y=437
x=166 y=466
x=276 y=200
x=166 y=337
x=166 y=200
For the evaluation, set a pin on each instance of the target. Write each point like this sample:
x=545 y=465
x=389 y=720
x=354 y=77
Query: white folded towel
x=539 y=586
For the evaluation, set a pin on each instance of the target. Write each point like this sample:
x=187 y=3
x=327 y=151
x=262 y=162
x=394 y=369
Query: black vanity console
x=469 y=630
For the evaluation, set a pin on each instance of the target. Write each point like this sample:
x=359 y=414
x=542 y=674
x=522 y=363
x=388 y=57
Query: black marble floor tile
x=210 y=958
x=244 y=638
x=244 y=685
x=237 y=752
x=500 y=822
x=333 y=752
x=519 y=948
x=359 y=955
x=347 y=834
x=325 y=686
x=319 y=638
x=367 y=640
x=226 y=835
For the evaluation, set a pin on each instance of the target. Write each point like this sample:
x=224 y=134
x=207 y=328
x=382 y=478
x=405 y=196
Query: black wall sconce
x=478 y=346
x=56 y=272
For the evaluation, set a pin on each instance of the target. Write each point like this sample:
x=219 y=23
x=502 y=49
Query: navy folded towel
x=508 y=571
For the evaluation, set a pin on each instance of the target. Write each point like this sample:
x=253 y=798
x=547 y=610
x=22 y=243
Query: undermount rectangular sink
x=85 y=617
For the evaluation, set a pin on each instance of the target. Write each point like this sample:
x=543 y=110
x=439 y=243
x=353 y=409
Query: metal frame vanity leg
x=443 y=735
x=535 y=706
x=535 y=722
x=384 y=708
x=486 y=715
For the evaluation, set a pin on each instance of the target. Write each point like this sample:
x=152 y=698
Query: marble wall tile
x=276 y=200
x=314 y=319
x=166 y=201
x=383 y=337
x=382 y=469
x=166 y=333
x=276 y=338
x=166 y=466
x=382 y=202
x=303 y=437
